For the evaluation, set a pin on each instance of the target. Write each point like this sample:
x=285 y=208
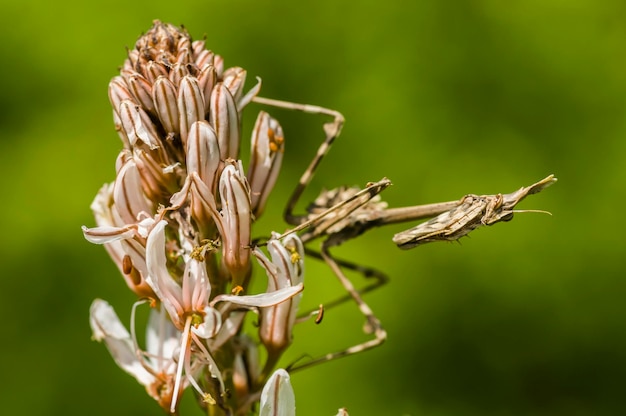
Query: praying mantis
x=341 y=214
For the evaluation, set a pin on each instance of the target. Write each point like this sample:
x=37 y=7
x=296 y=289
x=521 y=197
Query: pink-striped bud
x=225 y=120
x=165 y=102
x=236 y=220
x=265 y=160
x=286 y=269
x=190 y=105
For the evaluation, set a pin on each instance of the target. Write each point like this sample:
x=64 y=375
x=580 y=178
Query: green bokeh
x=444 y=98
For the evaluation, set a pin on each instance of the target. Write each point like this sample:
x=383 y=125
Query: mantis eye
x=507 y=217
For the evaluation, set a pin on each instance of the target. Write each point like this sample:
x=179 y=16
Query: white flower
x=189 y=307
x=155 y=368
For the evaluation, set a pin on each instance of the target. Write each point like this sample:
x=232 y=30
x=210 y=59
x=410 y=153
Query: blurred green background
x=443 y=97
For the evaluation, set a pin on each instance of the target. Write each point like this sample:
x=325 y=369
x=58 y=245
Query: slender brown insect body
x=472 y=212
x=343 y=213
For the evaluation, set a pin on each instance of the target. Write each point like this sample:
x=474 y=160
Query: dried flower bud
x=118 y=92
x=237 y=220
x=206 y=81
x=265 y=160
x=158 y=184
x=159 y=44
x=154 y=70
x=190 y=105
x=203 y=153
x=203 y=55
x=234 y=80
x=286 y=269
x=141 y=90
x=165 y=101
x=225 y=120
x=177 y=72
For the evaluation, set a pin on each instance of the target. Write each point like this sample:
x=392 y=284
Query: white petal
x=106 y=326
x=229 y=328
x=262 y=300
x=162 y=340
x=211 y=325
x=128 y=194
x=159 y=279
x=144 y=226
x=277 y=398
x=101 y=205
x=107 y=234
